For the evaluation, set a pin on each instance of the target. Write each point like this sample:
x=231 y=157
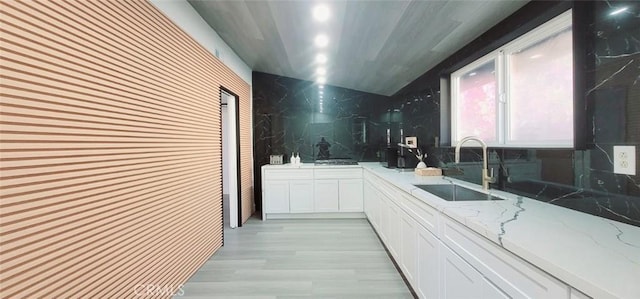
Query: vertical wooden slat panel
x=110 y=150
x=246 y=167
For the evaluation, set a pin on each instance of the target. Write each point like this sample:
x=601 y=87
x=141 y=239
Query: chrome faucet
x=486 y=177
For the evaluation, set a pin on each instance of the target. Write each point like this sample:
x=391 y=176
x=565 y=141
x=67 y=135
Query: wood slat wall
x=246 y=157
x=110 y=147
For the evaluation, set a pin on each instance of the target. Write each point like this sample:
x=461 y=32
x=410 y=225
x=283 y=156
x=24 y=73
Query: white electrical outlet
x=624 y=159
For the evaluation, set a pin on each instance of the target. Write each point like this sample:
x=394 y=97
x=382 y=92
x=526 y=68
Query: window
x=520 y=95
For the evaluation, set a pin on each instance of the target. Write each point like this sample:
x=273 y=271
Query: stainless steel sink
x=452 y=192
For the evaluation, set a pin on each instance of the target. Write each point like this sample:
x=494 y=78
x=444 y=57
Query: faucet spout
x=486 y=176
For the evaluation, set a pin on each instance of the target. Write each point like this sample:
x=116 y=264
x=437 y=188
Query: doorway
x=231 y=201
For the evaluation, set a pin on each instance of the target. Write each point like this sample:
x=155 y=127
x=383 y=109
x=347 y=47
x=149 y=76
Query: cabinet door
x=301 y=196
x=276 y=195
x=428 y=255
x=394 y=231
x=368 y=193
x=351 y=197
x=371 y=205
x=383 y=224
x=326 y=195
x=460 y=280
x=408 y=248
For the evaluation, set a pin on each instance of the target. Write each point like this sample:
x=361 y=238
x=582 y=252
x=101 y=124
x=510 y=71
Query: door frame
x=236 y=123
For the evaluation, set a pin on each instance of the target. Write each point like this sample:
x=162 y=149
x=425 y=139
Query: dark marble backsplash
x=292 y=115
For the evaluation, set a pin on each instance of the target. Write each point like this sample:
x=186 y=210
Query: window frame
x=501 y=58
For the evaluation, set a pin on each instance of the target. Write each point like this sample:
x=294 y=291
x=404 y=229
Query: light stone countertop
x=597 y=256
x=310 y=165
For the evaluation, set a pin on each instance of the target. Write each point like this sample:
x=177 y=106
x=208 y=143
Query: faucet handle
x=490 y=177
x=493 y=178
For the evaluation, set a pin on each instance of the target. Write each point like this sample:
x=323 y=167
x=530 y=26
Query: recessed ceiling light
x=472 y=74
x=321 y=40
x=321 y=71
x=321 y=58
x=321 y=80
x=321 y=86
x=619 y=10
x=535 y=56
x=321 y=92
x=321 y=12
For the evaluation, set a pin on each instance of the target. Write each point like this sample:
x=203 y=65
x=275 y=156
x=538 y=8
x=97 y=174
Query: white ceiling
x=375 y=46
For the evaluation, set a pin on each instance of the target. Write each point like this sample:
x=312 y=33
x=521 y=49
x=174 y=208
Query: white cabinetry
x=326 y=194
x=277 y=196
x=372 y=204
x=460 y=280
x=311 y=192
x=393 y=229
x=409 y=247
x=428 y=256
x=301 y=196
x=512 y=275
x=369 y=193
x=350 y=197
x=288 y=190
x=383 y=222
x=442 y=258
x=341 y=190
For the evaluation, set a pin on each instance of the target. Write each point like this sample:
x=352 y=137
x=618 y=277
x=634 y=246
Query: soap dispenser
x=292 y=159
x=298 y=159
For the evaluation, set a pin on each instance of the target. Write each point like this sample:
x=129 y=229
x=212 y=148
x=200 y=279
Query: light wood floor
x=340 y=258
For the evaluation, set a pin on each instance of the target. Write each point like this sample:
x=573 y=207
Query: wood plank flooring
x=311 y=258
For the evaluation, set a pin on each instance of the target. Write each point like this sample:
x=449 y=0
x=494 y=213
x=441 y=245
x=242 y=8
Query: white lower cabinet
x=428 y=257
x=409 y=247
x=301 y=196
x=311 y=192
x=460 y=280
x=442 y=258
x=514 y=276
x=350 y=195
x=383 y=223
x=277 y=196
x=371 y=203
x=326 y=195
x=393 y=232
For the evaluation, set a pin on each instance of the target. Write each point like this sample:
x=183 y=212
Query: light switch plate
x=624 y=159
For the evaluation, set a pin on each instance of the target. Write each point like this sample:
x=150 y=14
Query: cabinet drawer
x=423 y=213
x=349 y=173
x=511 y=274
x=288 y=174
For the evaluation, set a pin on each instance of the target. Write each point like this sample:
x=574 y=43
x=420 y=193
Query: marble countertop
x=311 y=166
x=597 y=256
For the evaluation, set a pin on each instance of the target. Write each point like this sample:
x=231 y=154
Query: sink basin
x=452 y=192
